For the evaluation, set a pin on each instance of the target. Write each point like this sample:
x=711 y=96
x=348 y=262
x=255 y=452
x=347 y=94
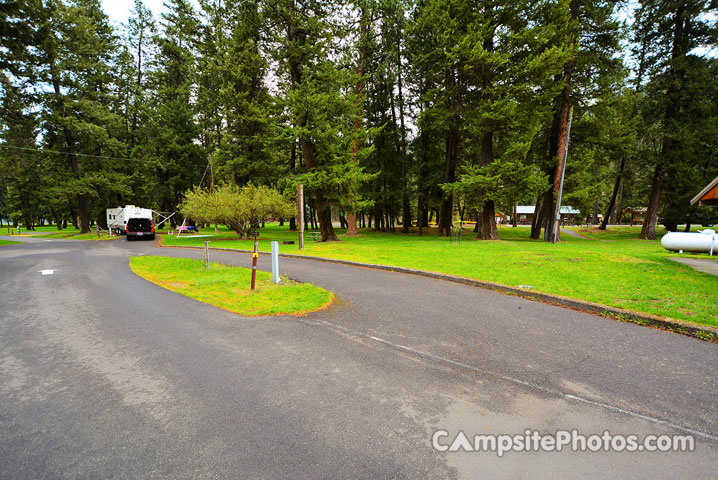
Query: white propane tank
x=704 y=242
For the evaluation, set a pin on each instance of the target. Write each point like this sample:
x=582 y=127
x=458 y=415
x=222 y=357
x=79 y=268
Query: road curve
x=104 y=374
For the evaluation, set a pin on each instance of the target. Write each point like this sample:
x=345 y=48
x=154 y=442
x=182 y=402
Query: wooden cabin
x=525 y=214
x=708 y=196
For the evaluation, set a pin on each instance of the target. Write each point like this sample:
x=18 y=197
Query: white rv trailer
x=118 y=218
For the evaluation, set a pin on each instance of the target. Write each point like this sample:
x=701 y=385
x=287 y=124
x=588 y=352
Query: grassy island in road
x=228 y=287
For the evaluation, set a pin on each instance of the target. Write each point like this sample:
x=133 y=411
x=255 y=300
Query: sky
x=119 y=10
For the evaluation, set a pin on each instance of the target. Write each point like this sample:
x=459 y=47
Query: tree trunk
x=313 y=214
x=323 y=209
x=364 y=24
x=616 y=218
x=351 y=222
x=549 y=215
x=422 y=201
x=612 y=203
x=488 y=230
x=594 y=214
x=648 y=230
x=535 y=221
x=102 y=220
x=673 y=106
x=73 y=217
x=561 y=127
x=57 y=217
x=405 y=208
x=306 y=144
x=70 y=141
x=446 y=206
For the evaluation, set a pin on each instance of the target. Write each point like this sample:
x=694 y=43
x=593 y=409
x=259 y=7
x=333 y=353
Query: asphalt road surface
x=103 y=374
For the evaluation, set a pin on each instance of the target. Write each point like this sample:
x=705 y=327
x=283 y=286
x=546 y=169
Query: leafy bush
x=239 y=208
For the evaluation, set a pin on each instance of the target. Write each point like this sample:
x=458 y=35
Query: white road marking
x=47 y=272
x=533 y=386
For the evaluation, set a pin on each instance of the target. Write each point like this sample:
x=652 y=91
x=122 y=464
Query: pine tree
x=21 y=166
x=320 y=105
x=169 y=147
x=673 y=29
x=140 y=30
x=437 y=28
x=247 y=151
x=591 y=31
x=491 y=67
x=75 y=53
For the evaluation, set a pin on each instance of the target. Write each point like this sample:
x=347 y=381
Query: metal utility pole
x=557 y=206
x=206 y=255
x=275 y=262
x=300 y=214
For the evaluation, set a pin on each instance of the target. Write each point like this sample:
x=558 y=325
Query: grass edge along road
x=75 y=235
x=9 y=242
x=612 y=268
x=51 y=231
x=228 y=287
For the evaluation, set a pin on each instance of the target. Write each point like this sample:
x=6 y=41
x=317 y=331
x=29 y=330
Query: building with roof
x=708 y=196
x=638 y=214
x=525 y=214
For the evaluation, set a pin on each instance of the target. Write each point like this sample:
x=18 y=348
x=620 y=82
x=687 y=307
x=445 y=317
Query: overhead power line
x=57 y=152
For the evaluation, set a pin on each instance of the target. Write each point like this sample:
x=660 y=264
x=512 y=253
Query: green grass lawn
x=229 y=287
x=8 y=242
x=612 y=268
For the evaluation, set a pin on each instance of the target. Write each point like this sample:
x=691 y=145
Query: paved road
x=104 y=374
x=707 y=265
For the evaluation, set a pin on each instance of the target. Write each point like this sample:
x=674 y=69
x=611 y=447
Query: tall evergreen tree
x=320 y=102
x=593 y=33
x=247 y=151
x=169 y=147
x=492 y=99
x=672 y=30
x=75 y=57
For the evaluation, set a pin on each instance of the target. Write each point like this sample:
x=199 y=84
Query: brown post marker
x=255 y=255
x=300 y=214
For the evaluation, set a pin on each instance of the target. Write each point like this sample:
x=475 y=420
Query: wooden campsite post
x=255 y=255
